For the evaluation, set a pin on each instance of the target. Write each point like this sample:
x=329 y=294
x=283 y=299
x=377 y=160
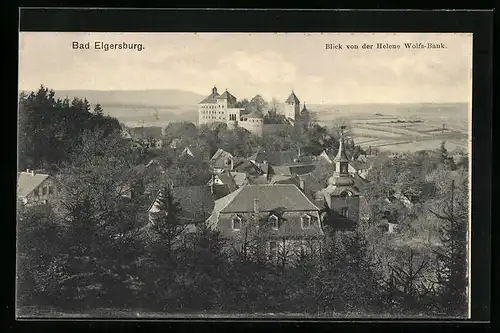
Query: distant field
x=402 y=127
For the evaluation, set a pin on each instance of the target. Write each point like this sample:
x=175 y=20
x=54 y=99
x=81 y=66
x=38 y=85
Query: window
x=345 y=212
x=236 y=223
x=44 y=190
x=36 y=192
x=273 y=250
x=273 y=220
x=343 y=167
x=306 y=221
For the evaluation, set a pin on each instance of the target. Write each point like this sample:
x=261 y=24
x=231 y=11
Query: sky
x=269 y=64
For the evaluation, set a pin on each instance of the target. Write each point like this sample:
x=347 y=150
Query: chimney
x=256 y=205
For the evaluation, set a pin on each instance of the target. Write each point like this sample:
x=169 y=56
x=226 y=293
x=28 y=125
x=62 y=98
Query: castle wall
x=253 y=125
x=273 y=128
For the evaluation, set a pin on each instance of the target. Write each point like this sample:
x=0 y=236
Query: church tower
x=292 y=107
x=341 y=195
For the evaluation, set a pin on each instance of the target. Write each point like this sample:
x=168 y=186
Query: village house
x=196 y=204
x=35 y=188
x=226 y=182
x=221 y=161
x=280 y=215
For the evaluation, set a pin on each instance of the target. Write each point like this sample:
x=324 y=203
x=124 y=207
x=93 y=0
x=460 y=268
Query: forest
x=90 y=251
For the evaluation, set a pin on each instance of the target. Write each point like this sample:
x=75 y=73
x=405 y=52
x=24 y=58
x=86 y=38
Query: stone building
x=216 y=108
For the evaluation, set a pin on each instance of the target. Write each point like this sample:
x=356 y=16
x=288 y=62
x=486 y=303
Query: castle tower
x=341 y=194
x=292 y=107
x=304 y=116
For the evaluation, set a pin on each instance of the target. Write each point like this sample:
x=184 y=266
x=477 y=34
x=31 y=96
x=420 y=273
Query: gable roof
x=246 y=166
x=227 y=96
x=27 y=182
x=292 y=99
x=278 y=158
x=270 y=197
x=228 y=180
x=219 y=205
x=220 y=157
x=210 y=99
x=196 y=202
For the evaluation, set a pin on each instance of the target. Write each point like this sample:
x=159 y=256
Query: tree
x=50 y=128
x=98 y=110
x=166 y=222
x=204 y=270
x=452 y=255
x=258 y=104
x=348 y=281
x=100 y=243
x=406 y=287
x=38 y=242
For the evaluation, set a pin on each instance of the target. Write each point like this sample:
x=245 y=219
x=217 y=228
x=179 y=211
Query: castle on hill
x=223 y=108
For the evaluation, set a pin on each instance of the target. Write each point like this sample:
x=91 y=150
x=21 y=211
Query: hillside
x=135 y=98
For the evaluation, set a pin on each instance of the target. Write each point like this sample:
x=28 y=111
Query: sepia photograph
x=244 y=175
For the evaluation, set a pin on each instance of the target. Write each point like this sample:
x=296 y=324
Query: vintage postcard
x=244 y=175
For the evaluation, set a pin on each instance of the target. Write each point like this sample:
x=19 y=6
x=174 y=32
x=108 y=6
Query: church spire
x=341 y=155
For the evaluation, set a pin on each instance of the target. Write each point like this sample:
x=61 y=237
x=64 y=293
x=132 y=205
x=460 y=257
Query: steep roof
x=341 y=155
x=246 y=166
x=27 y=183
x=292 y=99
x=212 y=98
x=220 y=157
x=227 y=95
x=196 y=202
x=219 y=205
x=270 y=197
x=228 y=180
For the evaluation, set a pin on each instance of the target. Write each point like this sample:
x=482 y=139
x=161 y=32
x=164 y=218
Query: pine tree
x=452 y=255
x=98 y=110
x=166 y=222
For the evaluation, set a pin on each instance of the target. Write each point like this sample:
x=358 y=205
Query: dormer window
x=236 y=223
x=273 y=221
x=306 y=221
